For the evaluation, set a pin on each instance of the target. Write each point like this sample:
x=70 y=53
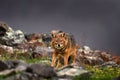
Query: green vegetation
x=104 y=73
x=27 y=57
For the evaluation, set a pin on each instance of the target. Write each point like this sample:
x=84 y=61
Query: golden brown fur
x=64 y=46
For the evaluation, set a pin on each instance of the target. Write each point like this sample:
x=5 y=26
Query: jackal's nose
x=58 y=45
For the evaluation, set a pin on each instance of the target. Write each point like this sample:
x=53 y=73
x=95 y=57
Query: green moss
x=105 y=73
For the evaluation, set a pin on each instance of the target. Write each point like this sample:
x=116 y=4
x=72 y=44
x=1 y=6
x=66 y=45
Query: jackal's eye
x=55 y=42
x=62 y=40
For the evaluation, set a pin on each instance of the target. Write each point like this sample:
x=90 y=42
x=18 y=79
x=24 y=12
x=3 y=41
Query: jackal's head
x=59 y=40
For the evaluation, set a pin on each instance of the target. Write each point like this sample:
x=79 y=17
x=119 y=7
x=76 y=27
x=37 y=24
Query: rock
x=3 y=66
x=87 y=56
x=35 y=44
x=31 y=38
x=9 y=36
x=21 y=76
x=16 y=64
x=42 y=52
x=46 y=38
x=6 y=49
x=3 y=28
x=97 y=53
x=20 y=68
x=27 y=76
x=93 y=60
x=7 y=72
x=23 y=48
x=116 y=59
x=105 y=56
x=87 y=50
x=19 y=37
x=41 y=70
x=11 y=67
x=109 y=64
x=71 y=71
x=2 y=51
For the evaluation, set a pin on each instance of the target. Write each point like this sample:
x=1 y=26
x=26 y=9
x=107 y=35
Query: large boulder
x=3 y=28
x=42 y=70
x=10 y=37
x=43 y=52
x=14 y=38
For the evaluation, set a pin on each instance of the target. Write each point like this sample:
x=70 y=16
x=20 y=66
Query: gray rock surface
x=9 y=36
x=3 y=66
x=41 y=70
x=15 y=63
x=18 y=70
x=3 y=28
x=71 y=71
x=109 y=64
x=42 y=52
x=14 y=37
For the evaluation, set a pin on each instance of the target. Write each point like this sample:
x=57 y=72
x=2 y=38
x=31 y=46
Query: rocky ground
x=17 y=50
x=19 y=70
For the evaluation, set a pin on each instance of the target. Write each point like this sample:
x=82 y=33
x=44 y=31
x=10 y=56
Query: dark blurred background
x=95 y=23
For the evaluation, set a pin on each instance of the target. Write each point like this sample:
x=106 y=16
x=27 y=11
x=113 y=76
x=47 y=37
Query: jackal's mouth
x=59 y=47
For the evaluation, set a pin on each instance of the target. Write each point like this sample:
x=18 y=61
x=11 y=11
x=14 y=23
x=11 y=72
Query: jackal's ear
x=63 y=34
x=53 y=35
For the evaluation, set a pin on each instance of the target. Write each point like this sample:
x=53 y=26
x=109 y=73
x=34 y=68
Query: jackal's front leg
x=66 y=59
x=54 y=56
